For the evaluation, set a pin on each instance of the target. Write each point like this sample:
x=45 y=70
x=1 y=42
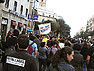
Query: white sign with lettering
x=45 y=28
x=15 y=61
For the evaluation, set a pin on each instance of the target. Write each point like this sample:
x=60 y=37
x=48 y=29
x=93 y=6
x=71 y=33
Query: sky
x=74 y=12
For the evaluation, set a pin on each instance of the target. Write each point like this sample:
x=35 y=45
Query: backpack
x=30 y=49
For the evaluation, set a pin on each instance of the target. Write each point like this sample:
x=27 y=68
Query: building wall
x=44 y=13
x=90 y=24
x=9 y=14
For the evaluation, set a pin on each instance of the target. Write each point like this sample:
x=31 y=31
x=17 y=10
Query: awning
x=13 y=23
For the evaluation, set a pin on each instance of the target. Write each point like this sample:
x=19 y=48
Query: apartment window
x=7 y=4
x=15 y=6
x=21 y=9
x=26 y=12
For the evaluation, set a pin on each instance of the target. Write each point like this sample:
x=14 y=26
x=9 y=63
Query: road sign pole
x=33 y=17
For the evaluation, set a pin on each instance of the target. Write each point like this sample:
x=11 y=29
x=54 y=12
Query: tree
x=64 y=28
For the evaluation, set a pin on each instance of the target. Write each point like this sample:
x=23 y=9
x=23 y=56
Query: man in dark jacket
x=20 y=60
x=90 y=58
x=77 y=62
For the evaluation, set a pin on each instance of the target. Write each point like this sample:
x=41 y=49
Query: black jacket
x=20 y=61
x=77 y=62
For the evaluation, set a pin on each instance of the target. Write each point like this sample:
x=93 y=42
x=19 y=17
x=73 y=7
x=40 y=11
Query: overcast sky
x=75 y=12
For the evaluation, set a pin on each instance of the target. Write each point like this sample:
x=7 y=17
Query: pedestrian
x=34 y=45
x=61 y=60
x=42 y=57
x=77 y=62
x=20 y=60
x=90 y=58
x=11 y=42
x=51 y=51
x=84 y=52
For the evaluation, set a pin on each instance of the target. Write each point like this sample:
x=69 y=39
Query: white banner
x=45 y=28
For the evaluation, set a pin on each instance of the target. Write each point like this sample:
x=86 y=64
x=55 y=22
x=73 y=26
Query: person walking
x=42 y=57
x=34 y=45
x=77 y=62
x=61 y=60
x=90 y=58
x=20 y=60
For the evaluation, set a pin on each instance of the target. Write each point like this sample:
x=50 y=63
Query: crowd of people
x=28 y=52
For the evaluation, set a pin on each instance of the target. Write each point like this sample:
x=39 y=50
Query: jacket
x=77 y=62
x=20 y=61
x=63 y=66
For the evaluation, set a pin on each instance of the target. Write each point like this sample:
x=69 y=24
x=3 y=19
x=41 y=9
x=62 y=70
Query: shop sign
x=16 y=13
x=30 y=17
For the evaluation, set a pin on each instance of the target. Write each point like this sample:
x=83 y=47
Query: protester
x=90 y=58
x=84 y=52
x=11 y=41
x=20 y=60
x=51 y=51
x=34 y=45
x=77 y=62
x=62 y=59
x=42 y=57
x=38 y=42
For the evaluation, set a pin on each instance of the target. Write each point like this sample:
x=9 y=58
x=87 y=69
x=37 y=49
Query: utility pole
x=33 y=9
x=33 y=14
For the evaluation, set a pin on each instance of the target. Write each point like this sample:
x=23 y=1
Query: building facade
x=43 y=13
x=39 y=12
x=14 y=15
x=90 y=24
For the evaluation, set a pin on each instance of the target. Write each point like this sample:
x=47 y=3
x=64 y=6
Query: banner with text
x=45 y=28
